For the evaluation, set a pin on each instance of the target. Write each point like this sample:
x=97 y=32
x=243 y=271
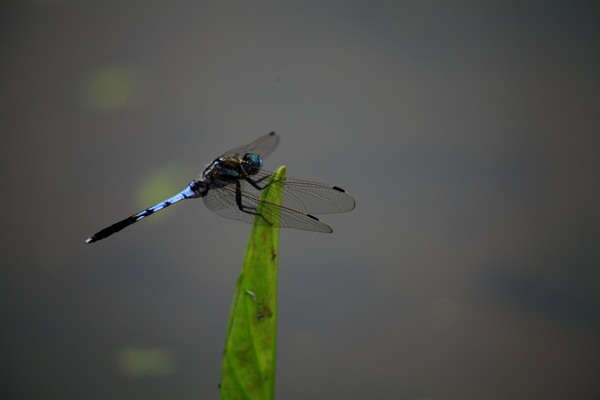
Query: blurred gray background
x=467 y=131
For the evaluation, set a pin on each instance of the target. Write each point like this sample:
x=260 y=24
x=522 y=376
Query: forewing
x=222 y=202
x=308 y=197
x=261 y=146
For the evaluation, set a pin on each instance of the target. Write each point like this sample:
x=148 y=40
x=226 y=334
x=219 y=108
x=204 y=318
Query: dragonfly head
x=254 y=161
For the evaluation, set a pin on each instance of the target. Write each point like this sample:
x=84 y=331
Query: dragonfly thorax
x=224 y=171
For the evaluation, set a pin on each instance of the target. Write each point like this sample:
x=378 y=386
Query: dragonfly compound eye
x=254 y=160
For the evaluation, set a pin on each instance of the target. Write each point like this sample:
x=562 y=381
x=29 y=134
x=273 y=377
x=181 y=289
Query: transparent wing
x=305 y=196
x=261 y=146
x=222 y=202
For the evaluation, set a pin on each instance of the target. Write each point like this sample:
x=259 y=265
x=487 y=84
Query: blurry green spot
x=139 y=362
x=113 y=88
x=158 y=186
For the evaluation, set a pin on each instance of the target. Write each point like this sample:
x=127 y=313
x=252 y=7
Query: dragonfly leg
x=256 y=182
x=238 y=200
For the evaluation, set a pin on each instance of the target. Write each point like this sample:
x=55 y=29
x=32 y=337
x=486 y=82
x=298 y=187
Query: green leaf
x=248 y=370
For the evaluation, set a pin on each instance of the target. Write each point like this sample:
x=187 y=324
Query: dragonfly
x=231 y=186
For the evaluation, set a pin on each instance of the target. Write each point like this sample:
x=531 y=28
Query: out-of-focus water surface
x=468 y=133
